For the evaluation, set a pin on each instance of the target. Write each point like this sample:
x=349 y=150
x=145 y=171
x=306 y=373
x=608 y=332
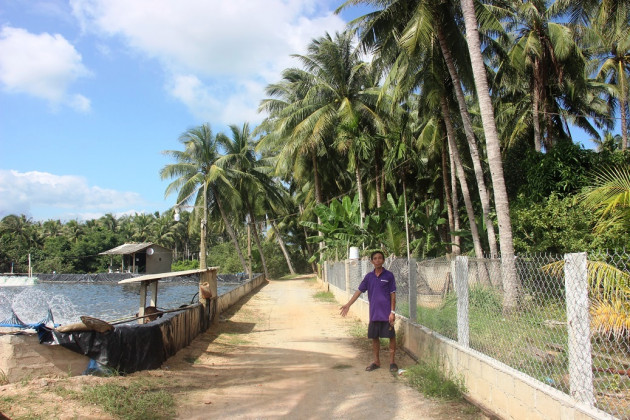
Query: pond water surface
x=104 y=300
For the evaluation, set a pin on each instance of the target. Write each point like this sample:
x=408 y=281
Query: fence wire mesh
x=570 y=327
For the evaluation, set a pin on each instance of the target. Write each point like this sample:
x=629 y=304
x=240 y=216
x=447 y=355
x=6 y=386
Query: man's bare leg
x=392 y=350
x=376 y=347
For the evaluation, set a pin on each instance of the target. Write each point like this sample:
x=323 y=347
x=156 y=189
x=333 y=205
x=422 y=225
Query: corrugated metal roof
x=127 y=249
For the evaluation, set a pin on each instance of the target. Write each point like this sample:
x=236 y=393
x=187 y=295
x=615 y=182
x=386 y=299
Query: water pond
x=103 y=300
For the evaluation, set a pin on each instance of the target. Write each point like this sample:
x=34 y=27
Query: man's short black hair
x=376 y=252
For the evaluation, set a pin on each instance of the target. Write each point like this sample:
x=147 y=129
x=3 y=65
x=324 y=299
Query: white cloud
x=226 y=49
x=41 y=65
x=229 y=102
x=23 y=192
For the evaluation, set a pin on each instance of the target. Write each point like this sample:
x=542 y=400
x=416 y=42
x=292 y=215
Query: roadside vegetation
x=422 y=143
x=129 y=399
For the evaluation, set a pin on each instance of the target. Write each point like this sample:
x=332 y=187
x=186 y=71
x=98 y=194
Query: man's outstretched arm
x=345 y=308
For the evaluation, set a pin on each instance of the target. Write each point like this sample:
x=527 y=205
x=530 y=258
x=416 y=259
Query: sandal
x=372 y=367
x=393 y=367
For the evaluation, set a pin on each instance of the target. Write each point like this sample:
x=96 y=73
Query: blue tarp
x=15 y=322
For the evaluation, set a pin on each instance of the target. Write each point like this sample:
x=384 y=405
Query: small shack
x=143 y=258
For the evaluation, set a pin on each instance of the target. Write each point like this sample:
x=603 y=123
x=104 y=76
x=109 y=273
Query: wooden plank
x=158 y=276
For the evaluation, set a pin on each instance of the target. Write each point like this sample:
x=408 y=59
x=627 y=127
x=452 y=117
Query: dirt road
x=282 y=353
x=278 y=353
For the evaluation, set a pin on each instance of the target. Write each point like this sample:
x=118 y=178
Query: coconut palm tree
x=611 y=48
x=511 y=282
x=547 y=58
x=249 y=176
x=418 y=29
x=609 y=198
x=142 y=225
x=196 y=166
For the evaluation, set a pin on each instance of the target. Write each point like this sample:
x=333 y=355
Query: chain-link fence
x=567 y=324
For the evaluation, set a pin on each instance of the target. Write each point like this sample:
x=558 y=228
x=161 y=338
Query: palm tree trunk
x=282 y=247
x=204 y=227
x=623 y=103
x=357 y=175
x=383 y=181
x=230 y=231
x=447 y=195
x=450 y=134
x=511 y=283
x=535 y=106
x=252 y=220
x=472 y=143
x=318 y=194
x=377 y=170
x=308 y=247
x=457 y=240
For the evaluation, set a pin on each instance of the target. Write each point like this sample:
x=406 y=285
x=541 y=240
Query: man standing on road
x=381 y=287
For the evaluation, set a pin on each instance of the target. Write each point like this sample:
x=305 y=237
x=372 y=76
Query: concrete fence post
x=413 y=290
x=578 y=325
x=353 y=274
x=325 y=272
x=461 y=289
x=347 y=275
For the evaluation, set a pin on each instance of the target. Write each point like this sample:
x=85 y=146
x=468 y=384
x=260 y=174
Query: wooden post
x=133 y=263
x=154 y=292
x=143 y=301
x=578 y=324
x=209 y=276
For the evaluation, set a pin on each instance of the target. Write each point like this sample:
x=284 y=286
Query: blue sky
x=92 y=91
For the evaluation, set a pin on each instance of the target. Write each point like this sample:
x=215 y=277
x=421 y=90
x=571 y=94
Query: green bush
x=559 y=225
x=224 y=256
x=183 y=265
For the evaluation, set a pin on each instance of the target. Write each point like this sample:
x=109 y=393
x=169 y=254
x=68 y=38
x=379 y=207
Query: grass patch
x=358 y=329
x=133 y=402
x=517 y=340
x=341 y=366
x=6 y=403
x=429 y=379
x=233 y=338
x=325 y=297
x=190 y=359
x=65 y=392
x=4 y=379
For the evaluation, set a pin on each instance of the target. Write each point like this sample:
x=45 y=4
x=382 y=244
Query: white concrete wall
x=508 y=393
x=22 y=357
x=230 y=298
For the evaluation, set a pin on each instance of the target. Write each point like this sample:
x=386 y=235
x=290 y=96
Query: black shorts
x=381 y=329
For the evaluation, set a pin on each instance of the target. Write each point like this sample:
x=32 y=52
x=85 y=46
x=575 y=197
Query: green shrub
x=183 y=265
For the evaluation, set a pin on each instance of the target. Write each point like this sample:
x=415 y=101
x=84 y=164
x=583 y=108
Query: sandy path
x=280 y=353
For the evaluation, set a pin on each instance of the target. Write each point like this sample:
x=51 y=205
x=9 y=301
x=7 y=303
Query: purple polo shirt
x=379 y=290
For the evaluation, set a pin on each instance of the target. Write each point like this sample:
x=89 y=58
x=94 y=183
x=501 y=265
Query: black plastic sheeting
x=132 y=347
